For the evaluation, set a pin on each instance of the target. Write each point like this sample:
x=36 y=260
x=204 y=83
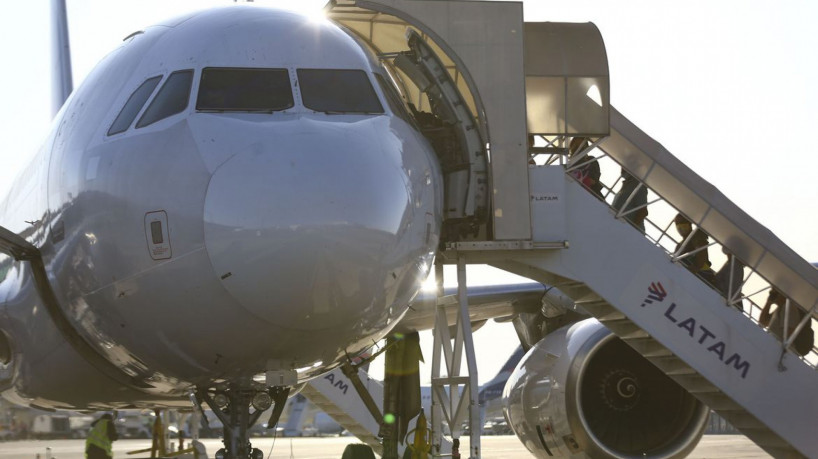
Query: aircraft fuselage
x=217 y=233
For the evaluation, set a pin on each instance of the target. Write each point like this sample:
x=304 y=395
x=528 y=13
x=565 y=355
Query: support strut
x=454 y=396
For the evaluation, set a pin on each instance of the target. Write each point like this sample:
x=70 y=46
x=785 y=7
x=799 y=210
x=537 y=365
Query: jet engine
x=583 y=392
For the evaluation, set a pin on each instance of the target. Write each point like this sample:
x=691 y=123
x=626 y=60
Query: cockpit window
x=244 y=90
x=133 y=105
x=171 y=99
x=338 y=91
x=394 y=100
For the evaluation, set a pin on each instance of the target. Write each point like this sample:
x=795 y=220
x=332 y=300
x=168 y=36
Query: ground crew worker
x=100 y=437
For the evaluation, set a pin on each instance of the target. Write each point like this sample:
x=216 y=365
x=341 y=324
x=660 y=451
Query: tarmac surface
x=494 y=447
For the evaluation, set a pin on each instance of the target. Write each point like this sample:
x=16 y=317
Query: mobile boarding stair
x=335 y=394
x=551 y=79
x=637 y=287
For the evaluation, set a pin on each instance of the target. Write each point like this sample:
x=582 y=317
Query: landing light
x=262 y=401
x=221 y=400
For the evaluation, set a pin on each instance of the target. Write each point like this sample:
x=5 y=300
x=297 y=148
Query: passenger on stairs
x=629 y=185
x=805 y=340
x=587 y=171
x=696 y=244
x=731 y=288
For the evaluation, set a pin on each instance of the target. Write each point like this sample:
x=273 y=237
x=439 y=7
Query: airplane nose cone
x=319 y=233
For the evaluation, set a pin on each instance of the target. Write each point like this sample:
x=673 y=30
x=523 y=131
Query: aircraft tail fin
x=512 y=361
x=62 y=81
x=296 y=418
x=494 y=388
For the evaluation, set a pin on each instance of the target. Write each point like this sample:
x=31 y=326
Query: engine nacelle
x=583 y=392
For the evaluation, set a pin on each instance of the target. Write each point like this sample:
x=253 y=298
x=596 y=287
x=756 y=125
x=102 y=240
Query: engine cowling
x=582 y=392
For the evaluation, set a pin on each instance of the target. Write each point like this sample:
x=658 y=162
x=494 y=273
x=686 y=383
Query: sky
x=728 y=87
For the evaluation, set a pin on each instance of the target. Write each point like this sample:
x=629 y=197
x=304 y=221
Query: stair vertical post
x=454 y=396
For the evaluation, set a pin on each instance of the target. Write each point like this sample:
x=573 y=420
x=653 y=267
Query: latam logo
x=656 y=292
x=551 y=197
x=696 y=330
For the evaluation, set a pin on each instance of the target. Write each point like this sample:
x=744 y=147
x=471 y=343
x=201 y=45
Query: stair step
x=672 y=365
x=570 y=284
x=626 y=329
x=575 y=290
x=721 y=403
x=648 y=347
x=766 y=438
x=603 y=312
x=695 y=383
x=783 y=452
x=744 y=421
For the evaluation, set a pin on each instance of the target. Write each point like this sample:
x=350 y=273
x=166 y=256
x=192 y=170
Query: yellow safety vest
x=98 y=436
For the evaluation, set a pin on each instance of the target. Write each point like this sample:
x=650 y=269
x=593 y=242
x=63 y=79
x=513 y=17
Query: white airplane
x=233 y=202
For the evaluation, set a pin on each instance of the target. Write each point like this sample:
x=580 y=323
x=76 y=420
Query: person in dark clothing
x=698 y=262
x=730 y=278
x=98 y=444
x=774 y=319
x=639 y=200
x=587 y=170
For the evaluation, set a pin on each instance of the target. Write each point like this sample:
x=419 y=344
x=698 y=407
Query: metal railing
x=658 y=232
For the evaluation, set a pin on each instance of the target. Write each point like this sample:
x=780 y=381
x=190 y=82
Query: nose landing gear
x=232 y=405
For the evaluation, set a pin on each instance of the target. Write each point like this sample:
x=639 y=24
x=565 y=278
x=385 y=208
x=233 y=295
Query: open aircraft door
x=452 y=131
x=441 y=96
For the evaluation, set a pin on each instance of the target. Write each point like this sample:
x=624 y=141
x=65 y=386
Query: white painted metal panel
x=567 y=84
x=548 y=203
